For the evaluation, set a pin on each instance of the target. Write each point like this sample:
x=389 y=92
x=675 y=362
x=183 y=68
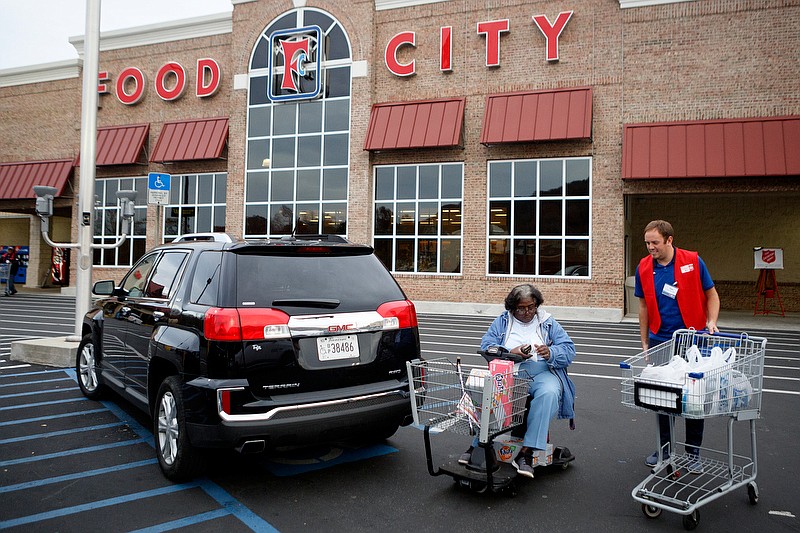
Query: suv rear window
x=308 y=283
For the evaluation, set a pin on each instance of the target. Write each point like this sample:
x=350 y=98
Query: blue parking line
x=35 y=373
x=42 y=404
x=21 y=383
x=91 y=506
x=36 y=393
x=51 y=417
x=66 y=453
x=60 y=433
x=184 y=522
x=78 y=475
x=234 y=507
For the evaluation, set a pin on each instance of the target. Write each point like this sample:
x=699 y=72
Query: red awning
x=554 y=115
x=187 y=140
x=712 y=149
x=419 y=124
x=120 y=145
x=17 y=179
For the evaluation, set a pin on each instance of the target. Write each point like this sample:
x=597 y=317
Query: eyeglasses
x=526 y=309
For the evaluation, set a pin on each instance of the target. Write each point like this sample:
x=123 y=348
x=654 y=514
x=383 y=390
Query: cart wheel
x=651 y=511
x=690 y=521
x=565 y=466
x=752 y=492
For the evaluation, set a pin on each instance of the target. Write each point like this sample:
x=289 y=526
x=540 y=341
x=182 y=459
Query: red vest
x=691 y=296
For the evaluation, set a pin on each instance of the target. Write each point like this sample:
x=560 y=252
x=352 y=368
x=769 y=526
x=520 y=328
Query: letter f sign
x=295 y=54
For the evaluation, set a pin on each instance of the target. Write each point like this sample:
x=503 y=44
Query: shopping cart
x=731 y=390
x=467 y=400
x=4 y=268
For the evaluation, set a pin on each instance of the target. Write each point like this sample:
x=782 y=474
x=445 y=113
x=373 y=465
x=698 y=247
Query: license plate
x=339 y=347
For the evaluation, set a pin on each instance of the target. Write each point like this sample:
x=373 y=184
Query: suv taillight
x=403 y=311
x=231 y=324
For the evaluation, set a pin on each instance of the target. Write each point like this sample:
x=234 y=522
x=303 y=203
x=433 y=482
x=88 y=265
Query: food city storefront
x=473 y=146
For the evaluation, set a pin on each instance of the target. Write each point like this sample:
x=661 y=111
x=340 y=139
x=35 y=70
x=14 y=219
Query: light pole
x=44 y=208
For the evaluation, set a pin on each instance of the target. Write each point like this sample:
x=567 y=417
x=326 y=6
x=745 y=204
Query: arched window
x=298 y=127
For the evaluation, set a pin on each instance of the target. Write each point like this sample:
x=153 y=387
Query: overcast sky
x=38 y=31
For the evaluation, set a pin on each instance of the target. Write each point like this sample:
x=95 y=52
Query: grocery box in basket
x=502 y=374
x=507 y=447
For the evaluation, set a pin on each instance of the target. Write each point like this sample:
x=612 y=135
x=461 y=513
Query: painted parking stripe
x=42 y=404
x=184 y=522
x=37 y=393
x=66 y=511
x=66 y=453
x=78 y=475
x=52 y=417
x=37 y=382
x=47 y=435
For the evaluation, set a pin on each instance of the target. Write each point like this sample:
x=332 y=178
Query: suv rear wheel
x=178 y=459
x=86 y=369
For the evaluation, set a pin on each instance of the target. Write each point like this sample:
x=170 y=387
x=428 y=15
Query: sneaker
x=695 y=465
x=466 y=456
x=524 y=463
x=653 y=459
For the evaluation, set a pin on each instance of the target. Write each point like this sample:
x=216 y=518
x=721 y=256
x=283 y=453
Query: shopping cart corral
x=730 y=389
x=470 y=401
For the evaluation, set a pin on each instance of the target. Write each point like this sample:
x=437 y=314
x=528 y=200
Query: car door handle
x=157 y=315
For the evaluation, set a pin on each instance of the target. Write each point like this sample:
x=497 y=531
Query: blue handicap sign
x=158 y=182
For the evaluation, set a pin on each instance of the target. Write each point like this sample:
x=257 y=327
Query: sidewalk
x=736 y=321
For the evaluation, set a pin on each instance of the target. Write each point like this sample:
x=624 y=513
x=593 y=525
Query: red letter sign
x=390 y=55
x=446 y=49
x=180 y=81
x=130 y=73
x=552 y=31
x=102 y=77
x=492 y=29
x=210 y=67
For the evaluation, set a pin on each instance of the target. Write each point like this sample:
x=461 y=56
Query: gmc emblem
x=340 y=328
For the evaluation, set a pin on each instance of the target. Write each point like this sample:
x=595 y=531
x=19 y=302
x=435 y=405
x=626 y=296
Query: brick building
x=475 y=145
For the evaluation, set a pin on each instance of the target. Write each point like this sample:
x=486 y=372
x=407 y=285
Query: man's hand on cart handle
x=711 y=326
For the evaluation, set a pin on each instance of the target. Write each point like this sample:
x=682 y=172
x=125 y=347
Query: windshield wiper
x=322 y=303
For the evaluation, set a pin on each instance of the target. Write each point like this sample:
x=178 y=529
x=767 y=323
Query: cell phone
x=526 y=350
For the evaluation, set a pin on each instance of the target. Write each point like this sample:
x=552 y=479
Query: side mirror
x=103 y=288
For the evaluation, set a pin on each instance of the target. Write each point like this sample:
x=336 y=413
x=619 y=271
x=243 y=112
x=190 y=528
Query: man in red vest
x=675 y=291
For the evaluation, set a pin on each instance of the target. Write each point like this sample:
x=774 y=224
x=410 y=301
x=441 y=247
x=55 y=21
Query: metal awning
x=748 y=147
x=187 y=140
x=17 y=179
x=535 y=116
x=417 y=124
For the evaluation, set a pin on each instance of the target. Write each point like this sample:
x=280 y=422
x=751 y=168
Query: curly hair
x=526 y=290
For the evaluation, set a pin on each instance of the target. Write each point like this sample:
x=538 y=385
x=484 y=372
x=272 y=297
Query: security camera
x=44 y=200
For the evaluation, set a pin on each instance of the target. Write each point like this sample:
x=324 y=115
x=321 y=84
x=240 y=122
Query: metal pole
x=91 y=60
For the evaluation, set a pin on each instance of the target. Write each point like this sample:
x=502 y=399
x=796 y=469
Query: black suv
x=253 y=345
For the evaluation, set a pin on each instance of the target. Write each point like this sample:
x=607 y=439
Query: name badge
x=671 y=291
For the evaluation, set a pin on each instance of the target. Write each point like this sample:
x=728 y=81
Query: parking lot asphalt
x=70 y=464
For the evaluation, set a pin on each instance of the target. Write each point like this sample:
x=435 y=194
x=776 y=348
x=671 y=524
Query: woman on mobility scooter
x=532 y=336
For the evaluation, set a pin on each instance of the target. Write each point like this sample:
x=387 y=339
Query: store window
x=539 y=217
x=298 y=149
x=108 y=223
x=418 y=212
x=197 y=205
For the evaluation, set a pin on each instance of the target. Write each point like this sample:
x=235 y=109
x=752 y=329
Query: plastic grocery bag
x=673 y=373
x=741 y=390
x=701 y=381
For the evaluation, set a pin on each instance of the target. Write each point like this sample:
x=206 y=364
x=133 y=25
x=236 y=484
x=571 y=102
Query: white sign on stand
x=158 y=186
x=768 y=258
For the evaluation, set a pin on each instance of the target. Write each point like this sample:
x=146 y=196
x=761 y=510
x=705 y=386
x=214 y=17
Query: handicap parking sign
x=158 y=188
